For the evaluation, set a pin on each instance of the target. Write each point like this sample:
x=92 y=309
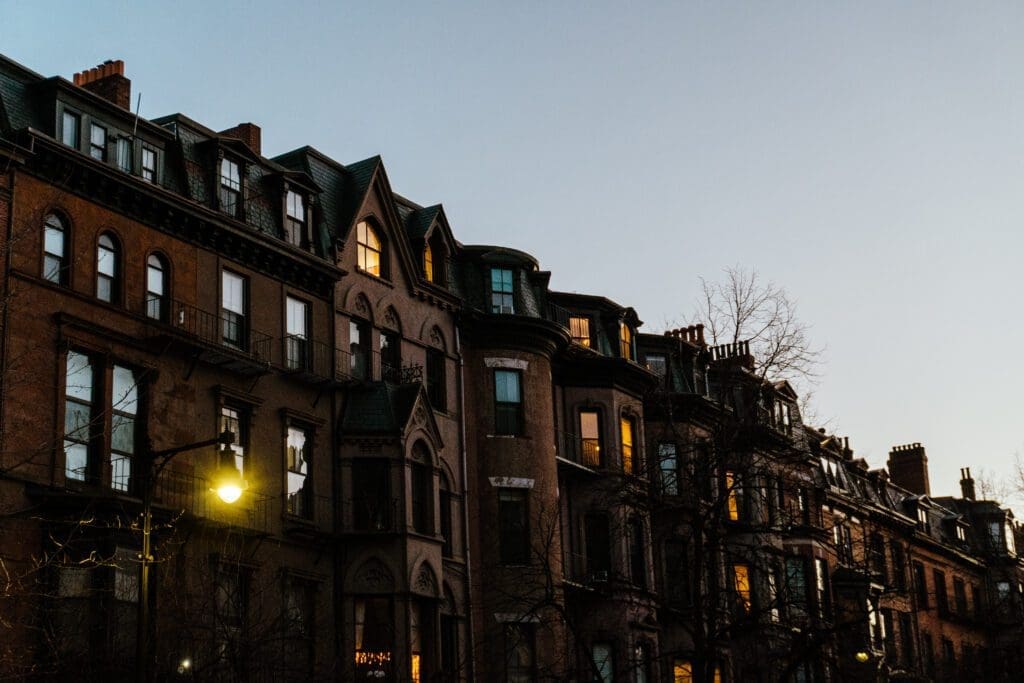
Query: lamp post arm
x=160 y=458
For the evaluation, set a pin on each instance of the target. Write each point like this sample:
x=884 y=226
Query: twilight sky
x=865 y=156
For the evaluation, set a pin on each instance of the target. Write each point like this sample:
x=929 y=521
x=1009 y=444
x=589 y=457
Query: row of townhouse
x=452 y=472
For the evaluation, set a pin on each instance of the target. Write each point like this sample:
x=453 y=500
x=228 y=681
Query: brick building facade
x=453 y=472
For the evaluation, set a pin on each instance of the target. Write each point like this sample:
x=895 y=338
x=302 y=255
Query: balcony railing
x=366 y=365
x=376 y=516
x=315 y=512
x=586 y=452
x=194 y=496
x=227 y=332
x=559 y=315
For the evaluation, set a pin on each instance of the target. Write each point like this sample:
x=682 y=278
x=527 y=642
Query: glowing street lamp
x=229 y=486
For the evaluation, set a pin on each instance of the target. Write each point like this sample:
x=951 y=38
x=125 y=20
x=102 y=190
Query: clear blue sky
x=866 y=156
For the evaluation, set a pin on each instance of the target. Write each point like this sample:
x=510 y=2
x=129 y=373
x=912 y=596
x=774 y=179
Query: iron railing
x=586 y=452
x=222 y=331
x=194 y=496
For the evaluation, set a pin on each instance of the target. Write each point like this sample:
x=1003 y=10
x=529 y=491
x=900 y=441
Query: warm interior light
x=862 y=657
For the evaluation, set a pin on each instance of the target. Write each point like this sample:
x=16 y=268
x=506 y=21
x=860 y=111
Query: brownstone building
x=452 y=472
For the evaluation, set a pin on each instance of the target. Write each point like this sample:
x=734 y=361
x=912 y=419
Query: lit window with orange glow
x=682 y=671
x=625 y=341
x=732 y=497
x=579 y=330
x=428 y=263
x=368 y=249
x=741 y=585
x=626 y=426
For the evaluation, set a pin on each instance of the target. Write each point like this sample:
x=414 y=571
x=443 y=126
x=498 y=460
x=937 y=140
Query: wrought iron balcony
x=224 y=339
x=589 y=453
x=194 y=496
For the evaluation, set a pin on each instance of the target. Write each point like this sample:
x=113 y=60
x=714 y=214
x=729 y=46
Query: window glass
x=359 y=349
x=298 y=499
x=122 y=431
x=371 y=495
x=604 y=669
x=437 y=390
x=374 y=638
x=125 y=154
x=69 y=129
x=233 y=308
x=596 y=528
x=106 y=269
x=590 y=437
x=231 y=421
x=296 y=347
x=626 y=427
x=513 y=529
x=637 y=553
x=741 y=585
x=682 y=671
x=520 y=653
x=54 y=242
x=657 y=364
x=579 y=330
x=368 y=249
x=98 y=142
x=428 y=263
x=230 y=186
x=156 y=304
x=422 y=494
x=502 y=291
x=390 y=357
x=507 y=402
x=148 y=165
x=625 y=341
x=669 y=469
x=78 y=390
x=296 y=218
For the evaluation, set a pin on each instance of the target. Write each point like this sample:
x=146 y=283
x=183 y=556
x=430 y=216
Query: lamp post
x=229 y=489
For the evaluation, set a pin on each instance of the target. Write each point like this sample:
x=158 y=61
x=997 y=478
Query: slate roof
x=380 y=408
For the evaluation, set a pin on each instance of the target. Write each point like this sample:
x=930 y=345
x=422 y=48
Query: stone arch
x=432 y=336
x=424 y=581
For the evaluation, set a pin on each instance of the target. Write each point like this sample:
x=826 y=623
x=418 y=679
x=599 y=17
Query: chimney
x=107 y=80
x=734 y=354
x=249 y=133
x=966 y=483
x=908 y=467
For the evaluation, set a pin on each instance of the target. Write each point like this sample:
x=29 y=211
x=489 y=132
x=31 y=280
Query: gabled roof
x=379 y=408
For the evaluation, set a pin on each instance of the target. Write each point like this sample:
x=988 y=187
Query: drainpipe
x=471 y=651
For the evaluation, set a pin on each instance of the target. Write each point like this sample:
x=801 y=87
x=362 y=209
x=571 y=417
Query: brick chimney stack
x=249 y=133
x=107 y=80
x=908 y=467
x=966 y=483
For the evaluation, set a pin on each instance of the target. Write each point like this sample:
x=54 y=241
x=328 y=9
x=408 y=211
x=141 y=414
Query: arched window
x=625 y=341
x=428 y=263
x=370 y=250
x=55 y=249
x=156 y=287
x=108 y=269
x=445 y=501
x=422 y=494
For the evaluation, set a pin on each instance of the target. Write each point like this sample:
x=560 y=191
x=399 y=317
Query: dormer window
x=70 y=126
x=579 y=330
x=625 y=341
x=295 y=220
x=368 y=249
x=124 y=154
x=230 y=186
x=922 y=518
x=149 y=165
x=502 y=300
x=98 y=142
x=961 y=533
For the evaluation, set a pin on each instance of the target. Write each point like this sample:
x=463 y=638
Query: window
x=428 y=263
x=604 y=666
x=298 y=621
x=125 y=154
x=734 y=497
x=598 y=545
x=234 y=309
x=231 y=593
x=55 y=248
x=502 y=291
x=78 y=416
x=359 y=349
x=98 y=142
x=1003 y=598
x=299 y=484
x=941 y=596
x=230 y=186
x=295 y=219
x=445 y=501
x=236 y=420
x=371 y=495
x=637 y=553
x=876 y=624
x=627 y=426
x=437 y=380
x=922 y=519
x=625 y=341
x=961 y=533
x=369 y=250
x=390 y=357
x=741 y=586
x=960 y=596
x=579 y=330
x=928 y=653
x=508 y=403
x=297 y=341
x=772 y=575
x=513 y=527
x=374 y=638
x=821 y=588
x=877 y=553
x=590 y=437
x=520 y=653
x=422 y=480
x=677 y=572
x=156 y=287
x=920 y=586
x=421 y=640
x=70 y=126
x=899 y=568
x=450 y=663
x=85 y=425
x=844 y=543
x=669 y=465
x=641 y=663
x=682 y=671
x=124 y=407
x=108 y=269
x=796 y=587
x=148 y=165
x=658 y=364
x=907 y=638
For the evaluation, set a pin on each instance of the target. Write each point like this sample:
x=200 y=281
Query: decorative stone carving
x=391 y=319
x=435 y=338
x=424 y=583
x=374 y=577
x=362 y=307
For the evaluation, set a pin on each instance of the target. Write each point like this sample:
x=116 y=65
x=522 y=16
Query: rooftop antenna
x=138 y=106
